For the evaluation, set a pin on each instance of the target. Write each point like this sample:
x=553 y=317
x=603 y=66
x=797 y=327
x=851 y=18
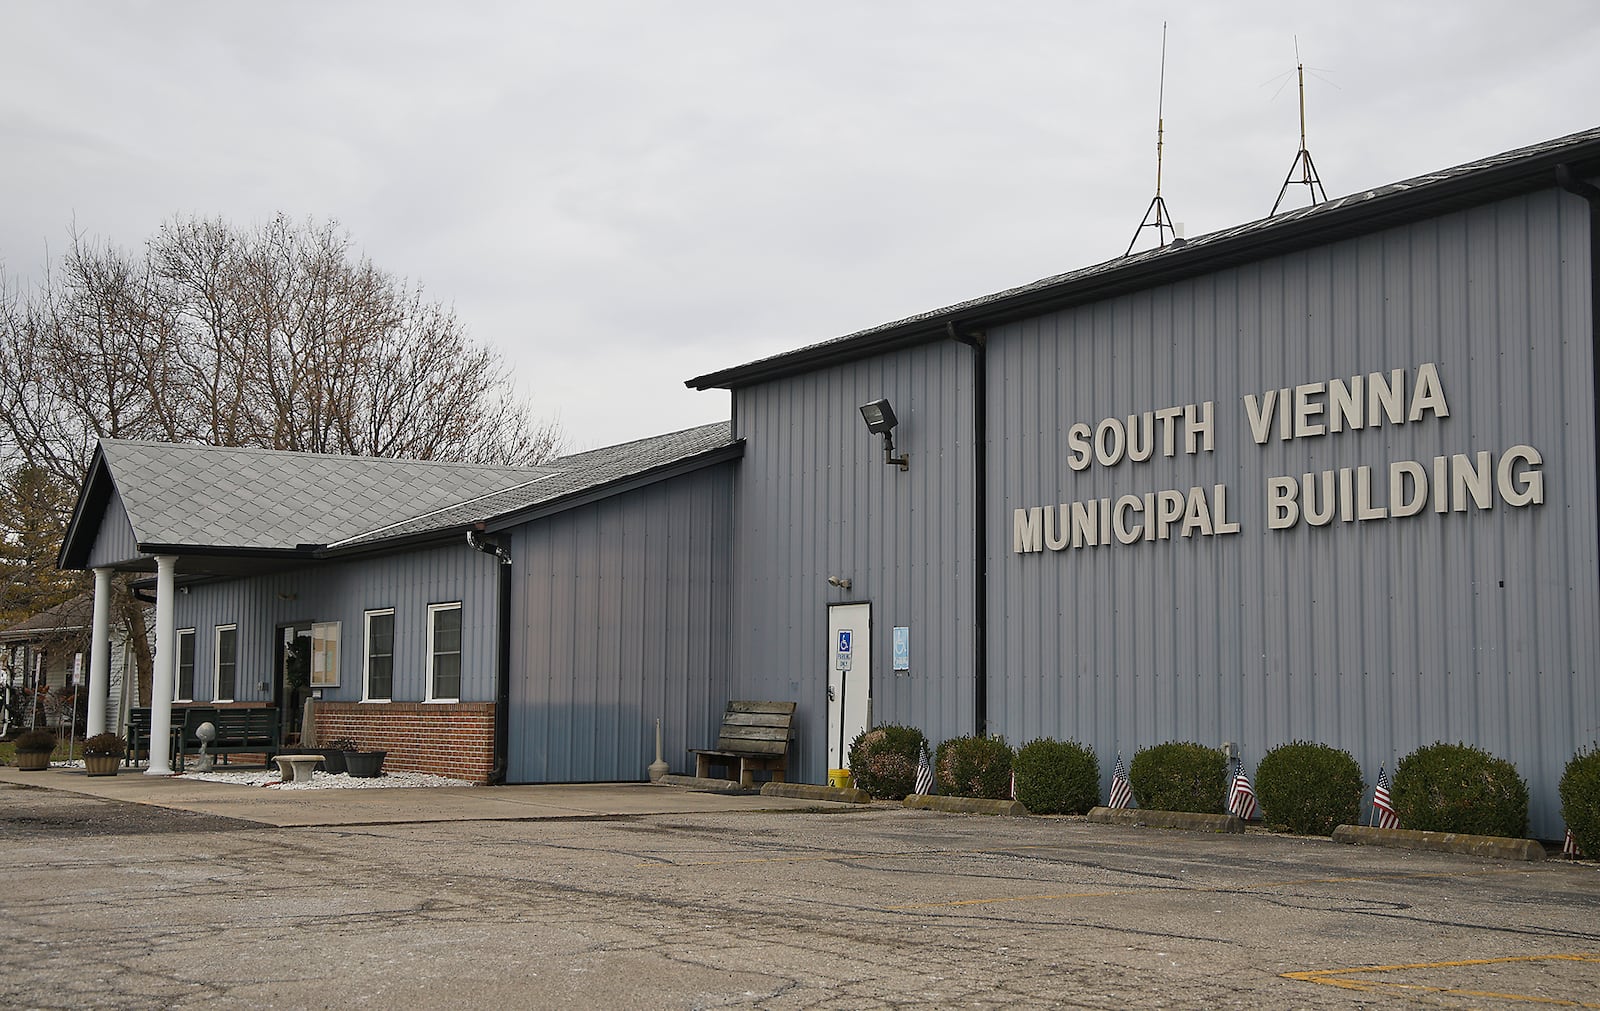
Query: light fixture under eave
x=880 y=420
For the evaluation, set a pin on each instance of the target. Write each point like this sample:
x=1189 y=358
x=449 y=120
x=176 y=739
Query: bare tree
x=279 y=336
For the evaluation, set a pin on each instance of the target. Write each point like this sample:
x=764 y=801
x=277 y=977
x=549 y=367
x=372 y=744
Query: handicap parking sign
x=841 y=658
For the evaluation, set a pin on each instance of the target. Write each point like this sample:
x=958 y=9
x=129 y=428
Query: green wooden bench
x=754 y=737
x=239 y=731
x=139 y=733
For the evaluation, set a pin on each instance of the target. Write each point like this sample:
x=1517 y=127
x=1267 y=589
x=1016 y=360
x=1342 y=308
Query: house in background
x=47 y=647
x=478 y=622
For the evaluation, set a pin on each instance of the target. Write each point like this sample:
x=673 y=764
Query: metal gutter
x=502 y=655
x=977 y=341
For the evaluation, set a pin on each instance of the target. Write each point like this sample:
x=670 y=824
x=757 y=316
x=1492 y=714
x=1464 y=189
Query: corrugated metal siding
x=343 y=592
x=114 y=541
x=1376 y=637
x=815 y=499
x=619 y=618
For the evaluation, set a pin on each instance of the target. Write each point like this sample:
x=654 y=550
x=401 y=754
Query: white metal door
x=849 y=678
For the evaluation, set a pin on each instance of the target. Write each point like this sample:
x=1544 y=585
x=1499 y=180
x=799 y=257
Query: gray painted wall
x=815 y=499
x=343 y=592
x=114 y=541
x=1376 y=637
x=619 y=618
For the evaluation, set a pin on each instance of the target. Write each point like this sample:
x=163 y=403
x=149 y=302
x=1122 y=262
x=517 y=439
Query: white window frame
x=216 y=662
x=433 y=610
x=177 y=666
x=366 y=654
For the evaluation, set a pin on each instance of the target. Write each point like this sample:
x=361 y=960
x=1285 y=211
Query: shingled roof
x=257 y=501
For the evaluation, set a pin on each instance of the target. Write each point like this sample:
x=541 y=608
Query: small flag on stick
x=1242 y=799
x=924 y=774
x=1569 y=848
x=1121 y=789
x=1382 y=808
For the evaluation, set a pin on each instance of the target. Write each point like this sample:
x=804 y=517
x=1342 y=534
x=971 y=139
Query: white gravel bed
x=324 y=781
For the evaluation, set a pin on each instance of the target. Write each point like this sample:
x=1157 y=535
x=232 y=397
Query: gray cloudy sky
x=620 y=195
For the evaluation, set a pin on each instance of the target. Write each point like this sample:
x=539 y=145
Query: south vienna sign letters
x=1451 y=483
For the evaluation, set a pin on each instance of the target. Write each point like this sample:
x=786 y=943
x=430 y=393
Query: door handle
x=832 y=697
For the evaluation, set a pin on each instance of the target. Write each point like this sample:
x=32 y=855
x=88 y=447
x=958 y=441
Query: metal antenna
x=1302 y=161
x=1156 y=216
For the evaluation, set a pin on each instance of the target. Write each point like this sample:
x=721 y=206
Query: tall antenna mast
x=1302 y=161
x=1155 y=216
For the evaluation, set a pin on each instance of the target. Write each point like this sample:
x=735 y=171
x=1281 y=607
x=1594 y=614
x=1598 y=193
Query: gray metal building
x=1329 y=476
x=1092 y=539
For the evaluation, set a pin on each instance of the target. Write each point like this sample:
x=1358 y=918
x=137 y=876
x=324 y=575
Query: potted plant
x=34 y=750
x=102 y=753
x=333 y=754
x=364 y=764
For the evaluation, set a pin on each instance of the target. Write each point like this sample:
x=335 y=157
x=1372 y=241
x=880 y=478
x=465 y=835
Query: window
x=444 y=652
x=325 y=654
x=380 y=656
x=227 y=662
x=185 y=686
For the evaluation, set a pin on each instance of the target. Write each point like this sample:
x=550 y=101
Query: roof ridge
x=307 y=454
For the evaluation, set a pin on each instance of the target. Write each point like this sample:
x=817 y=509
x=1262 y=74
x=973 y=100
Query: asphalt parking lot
x=109 y=904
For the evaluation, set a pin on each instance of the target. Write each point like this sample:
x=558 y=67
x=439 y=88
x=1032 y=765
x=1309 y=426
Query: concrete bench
x=296 y=768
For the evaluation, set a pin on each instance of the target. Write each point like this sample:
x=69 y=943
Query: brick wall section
x=455 y=739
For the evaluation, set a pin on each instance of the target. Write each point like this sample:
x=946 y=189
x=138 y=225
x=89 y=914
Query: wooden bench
x=754 y=735
x=239 y=731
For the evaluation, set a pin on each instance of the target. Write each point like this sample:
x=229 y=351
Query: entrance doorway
x=292 y=683
x=849 y=678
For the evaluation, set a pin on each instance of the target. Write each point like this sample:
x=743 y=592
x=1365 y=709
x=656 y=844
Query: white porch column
x=100 y=652
x=166 y=664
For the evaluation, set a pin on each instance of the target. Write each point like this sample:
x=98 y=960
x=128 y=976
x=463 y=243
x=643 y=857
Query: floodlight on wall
x=880 y=420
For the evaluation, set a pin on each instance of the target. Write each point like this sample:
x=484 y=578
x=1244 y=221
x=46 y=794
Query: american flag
x=1121 y=789
x=1242 y=799
x=924 y=774
x=1569 y=848
x=1382 y=807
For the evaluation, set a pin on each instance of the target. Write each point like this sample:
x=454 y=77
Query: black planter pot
x=364 y=764
x=332 y=762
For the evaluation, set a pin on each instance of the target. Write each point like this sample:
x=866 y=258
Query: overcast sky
x=619 y=196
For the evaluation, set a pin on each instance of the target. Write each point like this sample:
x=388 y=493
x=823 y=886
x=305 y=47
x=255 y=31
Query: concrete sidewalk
x=315 y=808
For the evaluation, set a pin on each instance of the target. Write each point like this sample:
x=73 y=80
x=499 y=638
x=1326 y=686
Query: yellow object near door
x=839 y=779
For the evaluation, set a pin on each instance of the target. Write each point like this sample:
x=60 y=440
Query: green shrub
x=974 y=767
x=1180 y=776
x=103 y=746
x=1460 y=788
x=36 y=742
x=1309 y=788
x=1580 y=800
x=883 y=760
x=1057 y=777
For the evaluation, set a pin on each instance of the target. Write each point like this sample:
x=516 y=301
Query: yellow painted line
x=1345 y=979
